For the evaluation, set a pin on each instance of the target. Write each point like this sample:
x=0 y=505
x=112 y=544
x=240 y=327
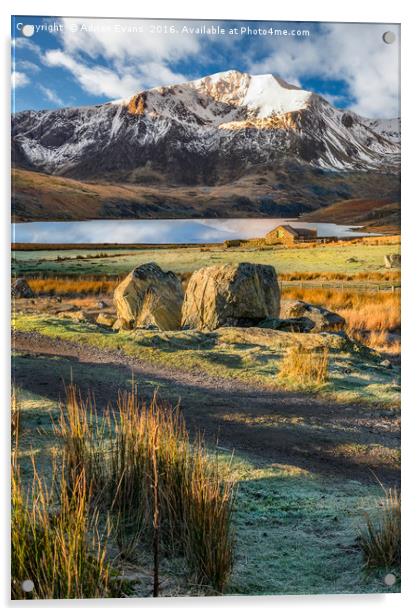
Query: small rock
x=101 y=304
x=21 y=289
x=392 y=261
x=324 y=320
x=386 y=363
x=77 y=315
x=121 y=325
x=105 y=319
x=296 y=324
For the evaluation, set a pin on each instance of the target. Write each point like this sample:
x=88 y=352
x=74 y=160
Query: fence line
x=337 y=284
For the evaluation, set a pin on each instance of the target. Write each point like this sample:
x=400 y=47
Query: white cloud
x=109 y=61
x=24 y=43
x=51 y=95
x=116 y=63
x=19 y=79
x=97 y=80
x=354 y=53
x=110 y=38
x=26 y=65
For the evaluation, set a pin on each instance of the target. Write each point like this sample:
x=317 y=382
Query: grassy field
x=248 y=355
x=282 y=514
x=305 y=417
x=350 y=258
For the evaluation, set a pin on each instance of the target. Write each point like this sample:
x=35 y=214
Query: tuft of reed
x=167 y=486
x=83 y=434
x=164 y=493
x=15 y=419
x=56 y=541
x=305 y=367
x=380 y=539
x=208 y=518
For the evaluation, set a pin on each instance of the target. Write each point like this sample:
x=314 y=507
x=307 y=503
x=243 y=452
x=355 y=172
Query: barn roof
x=295 y=232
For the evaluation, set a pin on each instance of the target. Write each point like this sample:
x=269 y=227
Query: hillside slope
x=373 y=215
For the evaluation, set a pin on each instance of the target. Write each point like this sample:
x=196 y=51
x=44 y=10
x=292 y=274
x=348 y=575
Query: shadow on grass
x=232 y=415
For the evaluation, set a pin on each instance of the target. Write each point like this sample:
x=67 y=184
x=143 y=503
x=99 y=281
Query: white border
x=303 y=10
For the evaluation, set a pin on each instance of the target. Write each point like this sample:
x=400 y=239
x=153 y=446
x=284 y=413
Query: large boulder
x=392 y=261
x=230 y=295
x=21 y=289
x=149 y=297
x=323 y=320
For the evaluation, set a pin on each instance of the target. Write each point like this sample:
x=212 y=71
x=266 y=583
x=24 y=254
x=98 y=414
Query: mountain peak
x=265 y=95
x=244 y=96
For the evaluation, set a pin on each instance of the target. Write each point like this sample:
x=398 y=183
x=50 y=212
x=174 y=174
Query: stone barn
x=285 y=234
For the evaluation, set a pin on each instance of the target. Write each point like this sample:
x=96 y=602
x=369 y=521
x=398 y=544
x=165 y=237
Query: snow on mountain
x=389 y=129
x=213 y=128
x=222 y=97
x=264 y=95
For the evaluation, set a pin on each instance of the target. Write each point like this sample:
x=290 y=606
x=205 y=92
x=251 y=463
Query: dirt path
x=281 y=427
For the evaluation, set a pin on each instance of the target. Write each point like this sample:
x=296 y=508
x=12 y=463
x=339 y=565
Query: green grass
x=252 y=356
x=322 y=258
x=296 y=532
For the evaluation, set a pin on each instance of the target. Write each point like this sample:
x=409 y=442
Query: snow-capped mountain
x=208 y=131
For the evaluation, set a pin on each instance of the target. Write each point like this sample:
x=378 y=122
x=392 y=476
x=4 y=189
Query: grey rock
x=392 y=261
x=149 y=297
x=324 y=320
x=386 y=363
x=296 y=324
x=230 y=295
x=21 y=289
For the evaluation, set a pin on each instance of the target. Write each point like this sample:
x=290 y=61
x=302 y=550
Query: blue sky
x=85 y=61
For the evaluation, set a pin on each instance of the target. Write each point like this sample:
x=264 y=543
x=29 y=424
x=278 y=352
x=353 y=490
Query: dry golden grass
x=15 y=415
x=55 y=539
x=100 y=285
x=380 y=540
x=130 y=479
x=164 y=493
x=370 y=316
x=307 y=367
x=72 y=286
x=389 y=276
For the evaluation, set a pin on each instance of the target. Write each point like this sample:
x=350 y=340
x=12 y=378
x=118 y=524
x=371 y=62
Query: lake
x=195 y=231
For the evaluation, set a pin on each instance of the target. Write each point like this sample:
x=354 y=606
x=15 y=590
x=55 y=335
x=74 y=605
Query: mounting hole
x=389 y=37
x=28 y=586
x=390 y=579
x=28 y=30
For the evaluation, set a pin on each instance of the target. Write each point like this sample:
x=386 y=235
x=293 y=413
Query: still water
x=163 y=231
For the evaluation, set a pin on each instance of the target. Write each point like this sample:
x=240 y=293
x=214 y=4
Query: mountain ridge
x=212 y=131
